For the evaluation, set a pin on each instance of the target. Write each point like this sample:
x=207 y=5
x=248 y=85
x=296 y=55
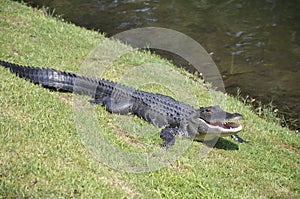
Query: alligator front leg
x=168 y=135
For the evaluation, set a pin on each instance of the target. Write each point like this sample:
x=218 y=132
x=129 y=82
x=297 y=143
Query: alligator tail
x=49 y=78
x=65 y=81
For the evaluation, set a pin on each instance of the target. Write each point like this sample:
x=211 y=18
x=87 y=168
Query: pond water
x=255 y=44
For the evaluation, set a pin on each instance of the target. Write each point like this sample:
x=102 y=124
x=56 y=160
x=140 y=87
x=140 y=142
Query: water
x=255 y=44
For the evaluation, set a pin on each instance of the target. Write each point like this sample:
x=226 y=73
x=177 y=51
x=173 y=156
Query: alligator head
x=210 y=122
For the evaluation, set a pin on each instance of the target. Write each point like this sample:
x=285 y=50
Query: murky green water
x=255 y=44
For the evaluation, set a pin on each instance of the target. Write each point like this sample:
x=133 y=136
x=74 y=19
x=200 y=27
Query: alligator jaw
x=225 y=127
x=217 y=129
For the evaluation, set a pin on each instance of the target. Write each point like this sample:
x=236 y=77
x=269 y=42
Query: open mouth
x=225 y=125
x=218 y=129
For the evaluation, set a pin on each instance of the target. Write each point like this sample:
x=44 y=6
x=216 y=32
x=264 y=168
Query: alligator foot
x=238 y=139
x=168 y=134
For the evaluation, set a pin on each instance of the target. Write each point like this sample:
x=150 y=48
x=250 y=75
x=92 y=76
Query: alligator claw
x=238 y=139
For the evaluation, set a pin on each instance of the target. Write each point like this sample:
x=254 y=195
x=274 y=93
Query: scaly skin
x=174 y=117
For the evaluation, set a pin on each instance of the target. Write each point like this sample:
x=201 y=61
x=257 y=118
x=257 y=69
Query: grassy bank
x=43 y=156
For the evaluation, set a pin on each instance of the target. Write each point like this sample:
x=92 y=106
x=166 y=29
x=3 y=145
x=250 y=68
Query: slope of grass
x=42 y=156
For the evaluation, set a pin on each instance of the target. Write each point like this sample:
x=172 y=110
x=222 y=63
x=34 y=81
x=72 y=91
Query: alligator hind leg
x=97 y=101
x=121 y=106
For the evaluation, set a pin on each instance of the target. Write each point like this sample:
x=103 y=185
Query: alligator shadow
x=221 y=144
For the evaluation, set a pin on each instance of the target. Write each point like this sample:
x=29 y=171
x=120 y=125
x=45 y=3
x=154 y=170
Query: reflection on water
x=255 y=44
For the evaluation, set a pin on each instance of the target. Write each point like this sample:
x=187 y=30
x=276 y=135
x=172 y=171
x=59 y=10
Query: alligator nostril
x=237 y=116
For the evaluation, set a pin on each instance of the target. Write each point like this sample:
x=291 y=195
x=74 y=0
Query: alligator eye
x=207 y=111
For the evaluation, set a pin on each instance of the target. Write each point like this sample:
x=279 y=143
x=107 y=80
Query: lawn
x=47 y=151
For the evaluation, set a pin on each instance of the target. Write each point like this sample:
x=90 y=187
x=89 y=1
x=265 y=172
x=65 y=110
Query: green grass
x=43 y=156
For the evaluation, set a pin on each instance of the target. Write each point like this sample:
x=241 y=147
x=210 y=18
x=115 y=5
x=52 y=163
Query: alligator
x=175 y=118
